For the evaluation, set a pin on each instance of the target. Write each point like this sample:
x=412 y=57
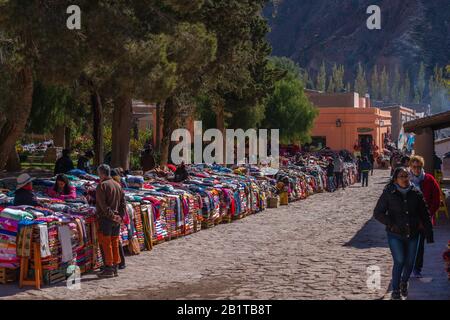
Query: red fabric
x=72 y=195
x=126 y=217
x=28 y=187
x=431 y=192
x=172 y=167
x=2 y=208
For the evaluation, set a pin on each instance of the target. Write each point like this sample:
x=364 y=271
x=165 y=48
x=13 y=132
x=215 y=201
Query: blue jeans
x=331 y=184
x=365 y=178
x=403 y=252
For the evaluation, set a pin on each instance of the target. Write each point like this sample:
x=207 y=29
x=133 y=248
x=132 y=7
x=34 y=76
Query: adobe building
x=400 y=115
x=346 y=120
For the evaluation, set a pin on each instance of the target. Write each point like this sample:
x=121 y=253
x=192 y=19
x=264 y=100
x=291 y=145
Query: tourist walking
x=402 y=209
x=358 y=168
x=330 y=176
x=339 y=172
x=429 y=187
x=372 y=162
x=365 y=169
x=110 y=209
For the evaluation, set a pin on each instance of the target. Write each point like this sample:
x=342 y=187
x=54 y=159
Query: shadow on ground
x=371 y=235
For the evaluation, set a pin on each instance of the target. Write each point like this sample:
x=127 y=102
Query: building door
x=318 y=143
x=365 y=142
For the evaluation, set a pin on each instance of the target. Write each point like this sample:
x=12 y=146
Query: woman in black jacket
x=402 y=209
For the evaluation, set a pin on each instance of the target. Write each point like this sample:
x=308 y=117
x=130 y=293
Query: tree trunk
x=122 y=122
x=136 y=129
x=97 y=111
x=158 y=127
x=13 y=163
x=68 y=137
x=220 y=123
x=59 y=137
x=169 y=121
x=17 y=114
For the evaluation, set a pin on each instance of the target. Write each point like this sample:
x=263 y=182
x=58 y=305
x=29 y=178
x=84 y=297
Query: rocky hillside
x=312 y=31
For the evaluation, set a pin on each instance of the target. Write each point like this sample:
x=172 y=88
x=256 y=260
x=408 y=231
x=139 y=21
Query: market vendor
x=118 y=177
x=181 y=173
x=64 y=164
x=24 y=195
x=62 y=189
x=84 y=161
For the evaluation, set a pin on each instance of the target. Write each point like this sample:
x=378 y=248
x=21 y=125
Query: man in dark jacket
x=24 y=195
x=402 y=209
x=110 y=209
x=63 y=164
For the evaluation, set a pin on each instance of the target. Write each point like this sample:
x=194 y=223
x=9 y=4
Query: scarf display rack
x=158 y=210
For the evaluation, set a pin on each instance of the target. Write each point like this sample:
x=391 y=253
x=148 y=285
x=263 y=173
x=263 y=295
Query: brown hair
x=417 y=159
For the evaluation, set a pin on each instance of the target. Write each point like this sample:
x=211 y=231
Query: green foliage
x=395 y=85
x=438 y=91
x=289 y=110
x=375 y=84
x=321 y=78
x=338 y=78
x=361 y=81
x=419 y=90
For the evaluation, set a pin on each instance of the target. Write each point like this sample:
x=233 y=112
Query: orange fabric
x=110 y=246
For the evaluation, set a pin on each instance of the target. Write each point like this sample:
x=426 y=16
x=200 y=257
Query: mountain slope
x=311 y=31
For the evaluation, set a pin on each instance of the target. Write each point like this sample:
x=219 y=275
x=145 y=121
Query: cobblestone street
x=319 y=248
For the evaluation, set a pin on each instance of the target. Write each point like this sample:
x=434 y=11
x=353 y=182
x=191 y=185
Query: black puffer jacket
x=405 y=217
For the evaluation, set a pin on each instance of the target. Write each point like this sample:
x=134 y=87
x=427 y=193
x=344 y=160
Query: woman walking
x=402 y=209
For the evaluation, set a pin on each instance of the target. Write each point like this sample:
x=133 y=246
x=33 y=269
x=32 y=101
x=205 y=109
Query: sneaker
x=122 y=266
x=396 y=295
x=108 y=272
x=417 y=273
x=404 y=289
x=116 y=272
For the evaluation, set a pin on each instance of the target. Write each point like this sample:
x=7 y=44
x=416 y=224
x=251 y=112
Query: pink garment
x=71 y=196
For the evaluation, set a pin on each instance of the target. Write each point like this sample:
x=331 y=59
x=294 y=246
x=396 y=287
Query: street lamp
x=338 y=123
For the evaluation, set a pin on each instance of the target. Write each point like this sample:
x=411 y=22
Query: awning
x=436 y=122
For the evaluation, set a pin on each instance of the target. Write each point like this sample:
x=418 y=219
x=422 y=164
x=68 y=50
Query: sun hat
x=23 y=180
